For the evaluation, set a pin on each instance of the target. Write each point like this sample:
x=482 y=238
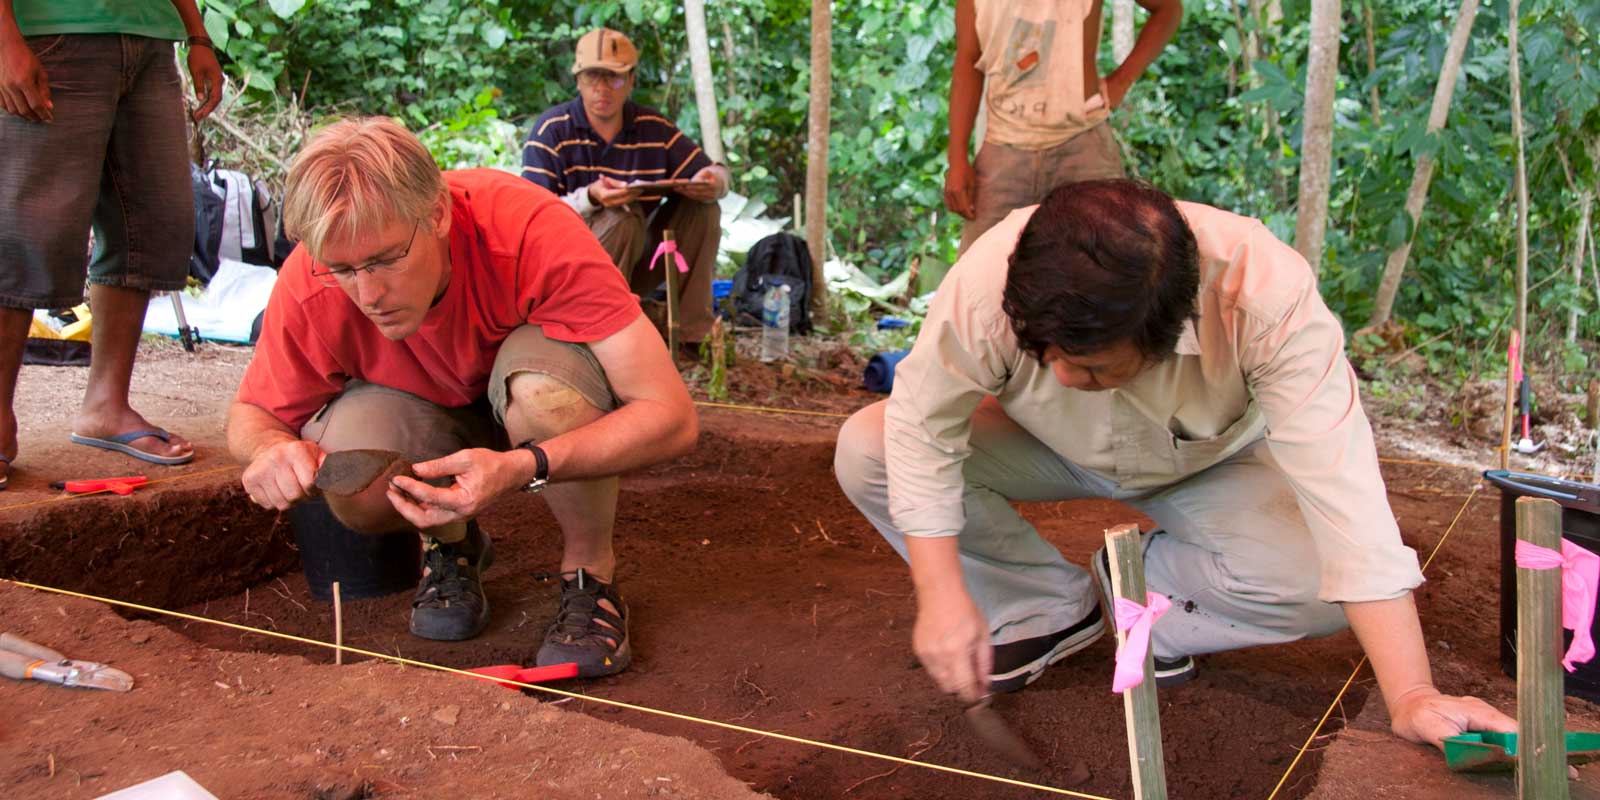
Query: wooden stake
x=1511 y=404
x=1541 y=713
x=672 y=299
x=1139 y=706
x=338 y=626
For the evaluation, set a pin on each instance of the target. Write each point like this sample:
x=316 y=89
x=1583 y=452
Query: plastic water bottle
x=775 y=323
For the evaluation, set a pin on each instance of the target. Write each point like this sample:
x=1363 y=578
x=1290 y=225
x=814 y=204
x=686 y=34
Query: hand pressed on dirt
x=1426 y=716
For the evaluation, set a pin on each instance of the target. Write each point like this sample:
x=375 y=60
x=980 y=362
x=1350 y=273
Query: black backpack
x=779 y=259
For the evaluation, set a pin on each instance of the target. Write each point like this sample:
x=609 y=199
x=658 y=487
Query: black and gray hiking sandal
x=450 y=605
x=586 y=632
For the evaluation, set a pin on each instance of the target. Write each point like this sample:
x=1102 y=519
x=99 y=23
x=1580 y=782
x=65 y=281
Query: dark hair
x=1100 y=263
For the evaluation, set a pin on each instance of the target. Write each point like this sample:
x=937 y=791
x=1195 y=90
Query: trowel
x=993 y=730
x=24 y=660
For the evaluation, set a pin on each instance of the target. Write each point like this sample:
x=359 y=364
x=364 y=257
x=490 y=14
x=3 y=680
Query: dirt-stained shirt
x=1264 y=359
x=1032 y=56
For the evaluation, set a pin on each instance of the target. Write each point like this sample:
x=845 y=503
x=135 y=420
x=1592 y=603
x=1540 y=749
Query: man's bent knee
x=367 y=512
x=858 y=459
x=545 y=406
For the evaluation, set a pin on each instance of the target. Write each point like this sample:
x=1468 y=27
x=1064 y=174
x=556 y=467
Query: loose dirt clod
x=350 y=472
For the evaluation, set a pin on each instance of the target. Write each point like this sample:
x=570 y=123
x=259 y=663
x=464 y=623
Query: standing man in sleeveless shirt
x=1047 y=102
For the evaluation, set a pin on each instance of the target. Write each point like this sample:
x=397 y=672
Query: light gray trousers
x=1236 y=557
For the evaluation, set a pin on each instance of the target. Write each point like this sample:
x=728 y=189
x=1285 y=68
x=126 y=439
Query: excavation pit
x=759 y=597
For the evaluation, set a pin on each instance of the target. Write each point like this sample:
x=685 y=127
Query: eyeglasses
x=387 y=266
x=591 y=78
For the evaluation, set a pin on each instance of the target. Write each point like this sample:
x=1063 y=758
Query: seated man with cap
x=607 y=157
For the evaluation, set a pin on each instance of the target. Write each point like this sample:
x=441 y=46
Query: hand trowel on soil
x=993 y=730
x=1488 y=751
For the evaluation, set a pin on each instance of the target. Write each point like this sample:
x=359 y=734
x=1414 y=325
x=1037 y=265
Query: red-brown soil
x=759 y=597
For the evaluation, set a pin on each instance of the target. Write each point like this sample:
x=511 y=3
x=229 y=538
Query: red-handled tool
x=512 y=672
x=123 y=486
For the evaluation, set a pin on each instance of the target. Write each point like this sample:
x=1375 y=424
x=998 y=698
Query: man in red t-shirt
x=445 y=316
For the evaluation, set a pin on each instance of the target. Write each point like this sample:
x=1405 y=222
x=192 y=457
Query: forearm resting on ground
x=1391 y=635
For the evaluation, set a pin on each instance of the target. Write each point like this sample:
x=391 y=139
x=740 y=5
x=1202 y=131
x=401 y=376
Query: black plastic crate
x=1580 y=524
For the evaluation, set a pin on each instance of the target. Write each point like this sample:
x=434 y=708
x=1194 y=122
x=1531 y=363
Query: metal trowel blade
x=993 y=730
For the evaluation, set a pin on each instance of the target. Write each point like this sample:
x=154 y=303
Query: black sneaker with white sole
x=1019 y=663
x=450 y=605
x=1169 y=672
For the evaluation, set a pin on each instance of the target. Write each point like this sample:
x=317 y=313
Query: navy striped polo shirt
x=563 y=153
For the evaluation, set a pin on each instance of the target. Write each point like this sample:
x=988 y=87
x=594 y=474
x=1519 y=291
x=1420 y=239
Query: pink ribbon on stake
x=1580 y=576
x=1136 y=620
x=669 y=247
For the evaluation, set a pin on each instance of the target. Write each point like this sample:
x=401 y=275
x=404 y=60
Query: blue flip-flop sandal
x=122 y=443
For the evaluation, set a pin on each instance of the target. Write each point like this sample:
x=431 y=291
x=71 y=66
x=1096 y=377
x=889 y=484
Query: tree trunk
x=1372 y=60
x=1316 y=143
x=817 y=150
x=1417 y=195
x=1521 y=182
x=705 y=88
x=1121 y=29
x=1585 y=207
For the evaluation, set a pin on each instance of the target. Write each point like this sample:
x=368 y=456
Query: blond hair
x=359 y=174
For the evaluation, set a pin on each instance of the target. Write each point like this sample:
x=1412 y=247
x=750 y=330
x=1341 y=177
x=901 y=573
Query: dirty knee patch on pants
x=527 y=349
x=373 y=416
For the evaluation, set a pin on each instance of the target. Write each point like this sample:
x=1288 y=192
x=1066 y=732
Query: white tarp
x=225 y=311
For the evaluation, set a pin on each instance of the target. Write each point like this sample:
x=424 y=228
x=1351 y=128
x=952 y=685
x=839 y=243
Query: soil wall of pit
x=169 y=548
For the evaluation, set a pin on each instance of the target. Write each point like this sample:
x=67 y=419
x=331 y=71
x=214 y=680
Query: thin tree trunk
x=1521 y=182
x=1121 y=29
x=1372 y=61
x=1316 y=148
x=1417 y=195
x=1585 y=207
x=729 y=56
x=705 y=87
x=817 y=149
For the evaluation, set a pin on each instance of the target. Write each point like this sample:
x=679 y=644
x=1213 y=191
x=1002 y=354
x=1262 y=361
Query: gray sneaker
x=585 y=632
x=450 y=605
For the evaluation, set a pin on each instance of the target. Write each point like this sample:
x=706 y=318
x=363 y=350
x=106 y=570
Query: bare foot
x=97 y=424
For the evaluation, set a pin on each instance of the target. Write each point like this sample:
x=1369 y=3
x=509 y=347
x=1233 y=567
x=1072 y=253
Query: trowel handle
x=37 y=652
x=16 y=665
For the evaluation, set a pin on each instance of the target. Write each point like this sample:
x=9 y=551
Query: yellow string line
x=770 y=410
x=66 y=497
x=1363 y=662
x=615 y=703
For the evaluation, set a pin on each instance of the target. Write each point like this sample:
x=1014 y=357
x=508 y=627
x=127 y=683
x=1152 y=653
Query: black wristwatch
x=541 y=472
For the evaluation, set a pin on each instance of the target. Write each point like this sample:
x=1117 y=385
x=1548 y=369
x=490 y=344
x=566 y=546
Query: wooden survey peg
x=671 y=267
x=1541 y=713
x=1139 y=706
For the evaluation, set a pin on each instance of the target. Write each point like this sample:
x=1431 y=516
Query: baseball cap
x=603 y=48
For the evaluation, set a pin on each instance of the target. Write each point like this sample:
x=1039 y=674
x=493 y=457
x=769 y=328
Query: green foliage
x=470 y=74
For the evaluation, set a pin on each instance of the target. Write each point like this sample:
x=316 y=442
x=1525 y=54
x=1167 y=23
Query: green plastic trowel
x=1497 y=752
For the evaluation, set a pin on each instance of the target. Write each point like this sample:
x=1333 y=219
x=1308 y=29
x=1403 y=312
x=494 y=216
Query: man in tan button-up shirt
x=1113 y=343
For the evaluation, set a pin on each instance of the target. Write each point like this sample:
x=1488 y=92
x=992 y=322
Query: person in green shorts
x=93 y=133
